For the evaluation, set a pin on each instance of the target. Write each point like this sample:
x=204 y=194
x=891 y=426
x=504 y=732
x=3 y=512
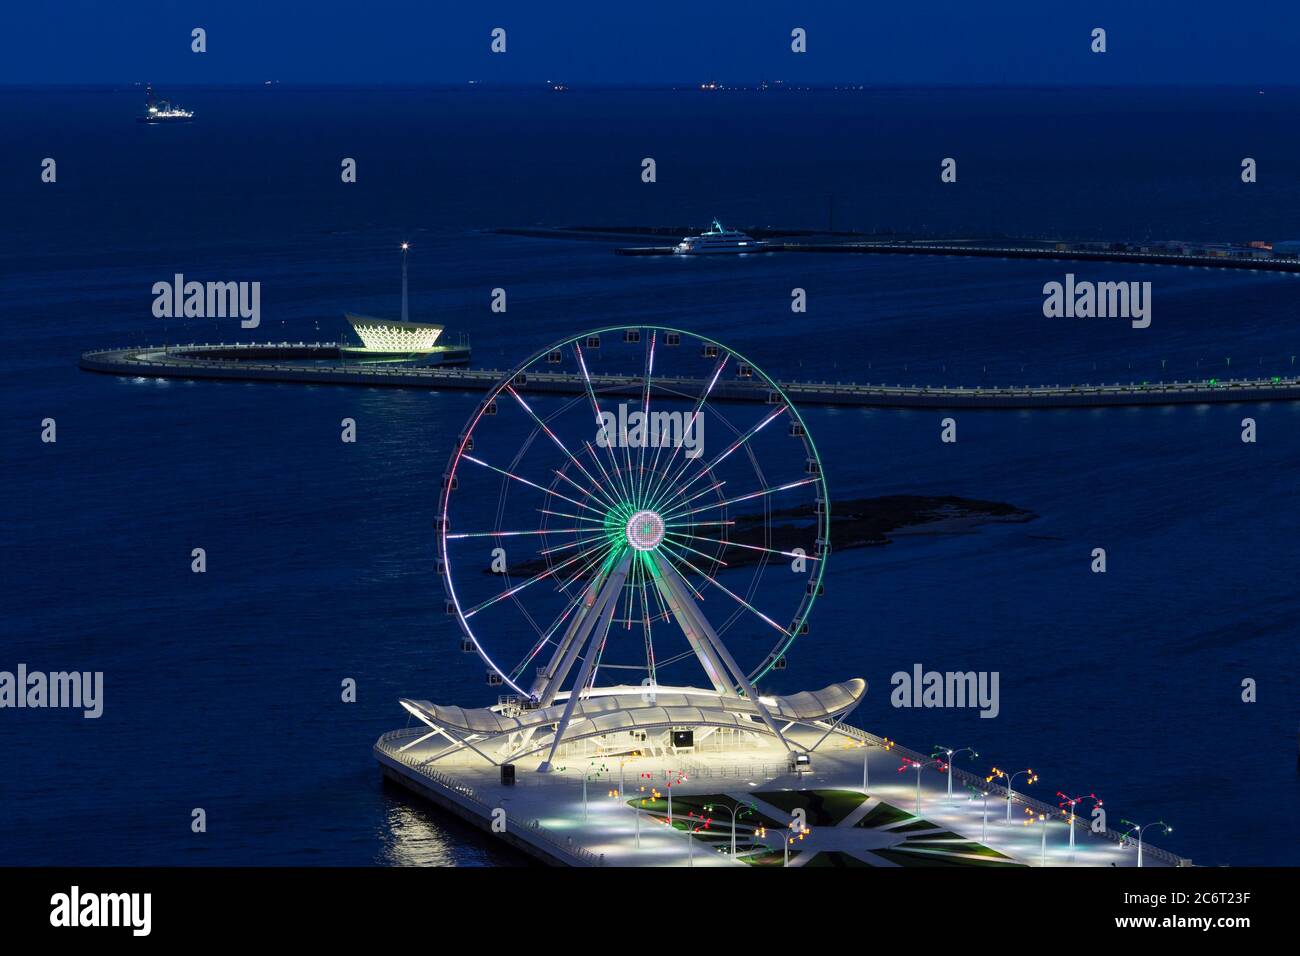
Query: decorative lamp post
x=1072 y=802
x=949 y=754
x=1141 y=829
x=910 y=764
x=984 y=793
x=1010 y=778
x=736 y=810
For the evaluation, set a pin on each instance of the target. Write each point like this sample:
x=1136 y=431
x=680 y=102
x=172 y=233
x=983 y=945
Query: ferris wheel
x=631 y=507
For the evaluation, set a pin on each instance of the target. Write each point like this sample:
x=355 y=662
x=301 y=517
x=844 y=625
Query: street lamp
x=885 y=744
x=950 y=754
x=1041 y=819
x=690 y=839
x=1071 y=802
x=654 y=795
x=1010 y=778
x=587 y=774
x=739 y=809
x=405 y=247
x=984 y=827
x=590 y=774
x=910 y=764
x=1140 y=829
x=800 y=830
x=681 y=777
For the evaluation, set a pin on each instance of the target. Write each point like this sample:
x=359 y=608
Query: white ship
x=719 y=239
x=162 y=111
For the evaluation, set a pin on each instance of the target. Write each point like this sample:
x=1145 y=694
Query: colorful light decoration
x=1041 y=819
x=798 y=830
x=1010 y=778
x=910 y=764
x=738 y=811
x=1072 y=802
x=951 y=754
x=1141 y=829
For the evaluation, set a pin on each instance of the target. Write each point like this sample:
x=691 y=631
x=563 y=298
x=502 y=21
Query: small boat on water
x=719 y=239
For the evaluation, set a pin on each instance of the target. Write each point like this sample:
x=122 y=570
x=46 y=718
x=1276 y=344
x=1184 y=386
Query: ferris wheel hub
x=645 y=530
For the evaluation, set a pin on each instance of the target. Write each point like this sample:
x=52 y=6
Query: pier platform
x=315 y=364
x=612 y=810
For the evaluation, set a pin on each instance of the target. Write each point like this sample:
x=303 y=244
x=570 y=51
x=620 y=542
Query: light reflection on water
x=411 y=835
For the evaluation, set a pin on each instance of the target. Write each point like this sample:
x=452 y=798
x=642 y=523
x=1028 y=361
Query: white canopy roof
x=612 y=709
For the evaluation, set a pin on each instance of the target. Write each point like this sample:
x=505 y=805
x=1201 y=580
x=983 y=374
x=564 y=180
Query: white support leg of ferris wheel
x=676 y=596
x=595 y=627
x=548 y=682
x=692 y=619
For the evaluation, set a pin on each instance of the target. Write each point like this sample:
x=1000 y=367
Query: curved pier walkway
x=318 y=364
x=1043 y=252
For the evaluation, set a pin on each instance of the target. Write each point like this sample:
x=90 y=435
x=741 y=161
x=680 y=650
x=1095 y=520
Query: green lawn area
x=882 y=815
x=686 y=805
x=824 y=808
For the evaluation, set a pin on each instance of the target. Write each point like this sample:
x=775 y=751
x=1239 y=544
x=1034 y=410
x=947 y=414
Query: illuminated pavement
x=607 y=826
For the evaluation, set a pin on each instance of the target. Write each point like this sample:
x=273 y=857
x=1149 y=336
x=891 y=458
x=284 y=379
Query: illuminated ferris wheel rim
x=641 y=542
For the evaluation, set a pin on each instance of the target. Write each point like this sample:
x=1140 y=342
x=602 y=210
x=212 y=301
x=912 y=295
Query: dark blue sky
x=436 y=41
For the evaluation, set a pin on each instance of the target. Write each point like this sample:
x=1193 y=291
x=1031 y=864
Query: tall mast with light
x=405 y=247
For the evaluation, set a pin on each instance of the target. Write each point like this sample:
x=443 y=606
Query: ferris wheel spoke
x=600 y=422
x=743 y=439
x=737 y=544
x=595 y=485
x=707 y=557
x=518 y=670
x=731 y=501
x=599 y=554
x=695 y=497
x=561 y=514
x=589 y=492
x=508 y=592
x=609 y=482
x=699 y=406
x=727 y=591
x=525 y=481
x=572 y=605
x=575 y=543
x=649 y=373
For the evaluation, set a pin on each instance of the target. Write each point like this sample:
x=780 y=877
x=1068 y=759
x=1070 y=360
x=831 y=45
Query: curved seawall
x=311 y=364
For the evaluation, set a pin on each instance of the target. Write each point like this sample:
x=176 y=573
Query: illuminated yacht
x=719 y=239
x=162 y=111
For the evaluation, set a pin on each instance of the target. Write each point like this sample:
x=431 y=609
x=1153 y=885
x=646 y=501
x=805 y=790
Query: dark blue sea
x=222 y=690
